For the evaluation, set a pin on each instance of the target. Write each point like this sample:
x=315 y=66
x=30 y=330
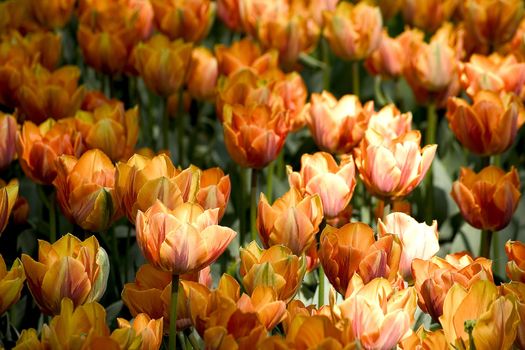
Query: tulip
x=214 y=190
x=353 y=31
x=203 y=74
x=86 y=190
x=163 y=64
x=317 y=332
x=8 y=128
x=183 y=240
x=53 y=14
x=42 y=47
x=289 y=92
x=418 y=240
x=517 y=290
x=245 y=54
x=20 y=211
x=428 y=15
x=388 y=124
x=388 y=59
x=18 y=15
x=275 y=267
x=68 y=268
x=44 y=94
x=190 y=20
x=487 y=200
x=228 y=13
x=293 y=220
x=148 y=330
x=488 y=126
x=434 y=277
x=11 y=284
x=27 y=340
x=337 y=126
x=389 y=8
x=39 y=146
x=495 y=73
x=495 y=318
x=8 y=198
x=110 y=128
x=254 y=13
x=319 y=172
x=254 y=136
x=423 y=339
x=516 y=46
x=492 y=22
x=392 y=170
x=516 y=266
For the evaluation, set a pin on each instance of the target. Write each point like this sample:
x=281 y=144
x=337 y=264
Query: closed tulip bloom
x=337 y=126
x=388 y=59
x=228 y=13
x=517 y=290
x=45 y=94
x=146 y=329
x=516 y=266
x=388 y=124
x=163 y=64
x=320 y=174
x=53 y=14
x=39 y=146
x=494 y=320
x=86 y=190
x=245 y=53
x=203 y=74
x=389 y=8
x=11 y=284
x=254 y=136
x=495 y=73
x=353 y=31
x=214 y=190
x=8 y=199
x=418 y=240
x=183 y=240
x=428 y=15
x=68 y=268
x=488 y=126
x=293 y=220
x=487 y=200
x=190 y=20
x=18 y=15
x=392 y=170
x=8 y=128
x=434 y=277
x=276 y=267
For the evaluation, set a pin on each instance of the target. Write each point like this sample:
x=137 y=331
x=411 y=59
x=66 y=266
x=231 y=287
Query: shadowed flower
x=428 y=15
x=11 y=284
x=8 y=128
x=8 y=199
x=203 y=73
x=516 y=266
x=54 y=13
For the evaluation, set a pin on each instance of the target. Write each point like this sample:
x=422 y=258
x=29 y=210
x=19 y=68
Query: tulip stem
x=486 y=239
x=430 y=138
x=173 y=312
x=327 y=69
x=242 y=210
x=355 y=78
x=280 y=164
x=269 y=181
x=253 y=204
x=321 y=287
x=496 y=161
x=180 y=128
x=166 y=126
x=380 y=96
x=193 y=341
x=52 y=217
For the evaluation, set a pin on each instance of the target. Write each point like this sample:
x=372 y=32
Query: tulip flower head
x=8 y=129
x=428 y=15
x=516 y=266
x=8 y=199
x=11 y=284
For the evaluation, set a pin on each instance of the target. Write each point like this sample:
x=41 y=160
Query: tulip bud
x=147 y=331
x=8 y=128
x=516 y=266
x=245 y=54
x=428 y=15
x=388 y=60
x=203 y=73
x=18 y=15
x=228 y=13
x=68 y=268
x=8 y=199
x=53 y=14
x=11 y=284
x=389 y=8
x=487 y=200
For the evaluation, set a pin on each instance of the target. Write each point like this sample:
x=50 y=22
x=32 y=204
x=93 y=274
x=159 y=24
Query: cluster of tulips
x=261 y=174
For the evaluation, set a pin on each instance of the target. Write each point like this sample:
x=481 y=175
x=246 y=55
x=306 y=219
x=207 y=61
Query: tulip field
x=262 y=174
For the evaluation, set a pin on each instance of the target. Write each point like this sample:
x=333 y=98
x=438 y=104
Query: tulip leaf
x=113 y=311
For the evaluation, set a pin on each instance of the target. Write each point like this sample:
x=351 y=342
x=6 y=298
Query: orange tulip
x=190 y=20
x=293 y=220
x=53 y=14
x=517 y=290
x=353 y=31
x=228 y=13
x=337 y=126
x=163 y=64
x=110 y=128
x=516 y=266
x=492 y=22
x=11 y=284
x=68 y=268
x=8 y=198
x=424 y=339
x=18 y=15
x=254 y=136
x=182 y=240
x=39 y=146
x=319 y=172
x=388 y=124
x=203 y=74
x=418 y=240
x=493 y=320
x=389 y=8
x=317 y=332
x=391 y=170
x=428 y=15
x=44 y=94
x=495 y=73
x=42 y=47
x=487 y=200
x=488 y=126
x=147 y=330
x=8 y=128
x=255 y=12
x=516 y=46
x=434 y=277
x=388 y=59
x=275 y=267
x=86 y=190
x=245 y=53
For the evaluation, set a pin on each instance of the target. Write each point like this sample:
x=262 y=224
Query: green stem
x=242 y=214
x=253 y=204
x=430 y=138
x=126 y=256
x=173 y=312
x=355 y=78
x=321 y=287
x=151 y=121
x=166 y=126
x=280 y=164
x=52 y=217
x=269 y=181
x=486 y=238
x=180 y=128
x=378 y=91
x=496 y=161
x=193 y=341
x=327 y=69
x=387 y=208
